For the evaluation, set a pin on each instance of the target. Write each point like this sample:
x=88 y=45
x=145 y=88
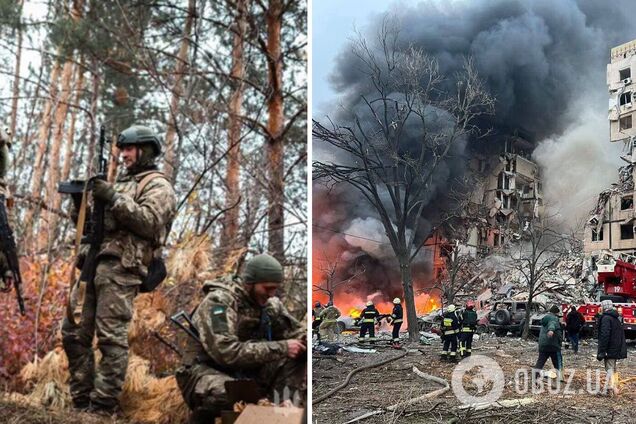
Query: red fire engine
x=618 y=280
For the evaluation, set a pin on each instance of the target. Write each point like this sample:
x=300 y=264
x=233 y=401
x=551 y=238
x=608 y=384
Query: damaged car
x=510 y=315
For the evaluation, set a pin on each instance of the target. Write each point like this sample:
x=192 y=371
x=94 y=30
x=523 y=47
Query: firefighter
x=469 y=324
x=450 y=327
x=329 y=322
x=315 y=325
x=396 y=320
x=368 y=316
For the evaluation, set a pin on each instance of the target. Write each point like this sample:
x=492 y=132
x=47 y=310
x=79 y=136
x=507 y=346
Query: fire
x=355 y=313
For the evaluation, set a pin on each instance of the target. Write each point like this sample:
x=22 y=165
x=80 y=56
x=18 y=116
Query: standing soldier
x=450 y=327
x=368 y=316
x=469 y=324
x=6 y=276
x=329 y=322
x=140 y=206
x=396 y=320
x=244 y=332
x=315 y=325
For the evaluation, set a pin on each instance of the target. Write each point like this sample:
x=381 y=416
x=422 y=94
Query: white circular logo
x=482 y=373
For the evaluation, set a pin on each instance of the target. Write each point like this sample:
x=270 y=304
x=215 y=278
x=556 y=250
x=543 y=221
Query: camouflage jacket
x=236 y=334
x=134 y=227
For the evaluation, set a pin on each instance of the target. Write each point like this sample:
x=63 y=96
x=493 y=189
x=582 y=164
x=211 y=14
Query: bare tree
x=408 y=94
x=461 y=271
x=538 y=251
x=331 y=278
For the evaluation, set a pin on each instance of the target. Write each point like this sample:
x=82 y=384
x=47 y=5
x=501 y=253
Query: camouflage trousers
x=329 y=330
x=203 y=387
x=106 y=313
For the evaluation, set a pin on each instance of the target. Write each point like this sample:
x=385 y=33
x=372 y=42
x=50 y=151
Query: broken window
x=626 y=98
x=495 y=241
x=625 y=73
x=597 y=235
x=625 y=122
x=627 y=202
x=500 y=181
x=627 y=231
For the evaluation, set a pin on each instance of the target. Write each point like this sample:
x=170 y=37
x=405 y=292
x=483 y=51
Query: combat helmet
x=139 y=135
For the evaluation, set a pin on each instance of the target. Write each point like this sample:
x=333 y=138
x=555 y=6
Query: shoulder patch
x=218 y=316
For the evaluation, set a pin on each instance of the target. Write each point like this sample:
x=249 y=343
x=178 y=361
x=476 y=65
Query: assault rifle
x=8 y=247
x=95 y=226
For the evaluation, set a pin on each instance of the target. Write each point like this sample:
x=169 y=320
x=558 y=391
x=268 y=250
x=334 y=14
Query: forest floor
x=14 y=413
x=578 y=399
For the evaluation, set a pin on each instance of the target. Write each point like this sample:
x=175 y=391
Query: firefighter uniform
x=315 y=325
x=368 y=316
x=450 y=327
x=469 y=324
x=396 y=319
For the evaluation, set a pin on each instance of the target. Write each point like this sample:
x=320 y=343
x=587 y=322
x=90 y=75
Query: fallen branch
x=506 y=403
x=430 y=395
x=354 y=372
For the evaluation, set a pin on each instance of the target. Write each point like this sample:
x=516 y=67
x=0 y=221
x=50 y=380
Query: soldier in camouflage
x=245 y=332
x=6 y=280
x=140 y=206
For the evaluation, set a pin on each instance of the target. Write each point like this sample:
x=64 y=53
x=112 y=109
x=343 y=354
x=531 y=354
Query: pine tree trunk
x=16 y=80
x=229 y=236
x=42 y=144
x=54 y=154
x=275 y=146
x=170 y=157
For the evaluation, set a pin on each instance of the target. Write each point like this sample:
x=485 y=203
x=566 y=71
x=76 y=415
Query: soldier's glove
x=103 y=190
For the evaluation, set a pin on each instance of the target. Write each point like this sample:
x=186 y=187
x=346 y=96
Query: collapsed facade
x=612 y=222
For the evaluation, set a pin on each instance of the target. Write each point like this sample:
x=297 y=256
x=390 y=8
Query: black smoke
x=543 y=60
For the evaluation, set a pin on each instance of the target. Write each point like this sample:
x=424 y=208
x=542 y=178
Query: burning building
x=612 y=221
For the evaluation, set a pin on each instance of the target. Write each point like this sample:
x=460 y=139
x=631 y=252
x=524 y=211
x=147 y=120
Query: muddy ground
x=577 y=400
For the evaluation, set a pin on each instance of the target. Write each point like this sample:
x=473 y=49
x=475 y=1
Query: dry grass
x=189 y=259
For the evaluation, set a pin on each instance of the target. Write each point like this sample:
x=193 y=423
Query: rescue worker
x=245 y=333
x=468 y=327
x=329 y=323
x=140 y=206
x=396 y=320
x=368 y=317
x=611 y=343
x=315 y=325
x=450 y=327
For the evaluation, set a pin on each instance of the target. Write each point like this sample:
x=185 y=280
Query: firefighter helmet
x=470 y=304
x=369 y=303
x=396 y=301
x=451 y=308
x=317 y=305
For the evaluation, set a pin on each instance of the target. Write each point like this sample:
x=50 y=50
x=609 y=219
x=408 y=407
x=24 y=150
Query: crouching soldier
x=245 y=334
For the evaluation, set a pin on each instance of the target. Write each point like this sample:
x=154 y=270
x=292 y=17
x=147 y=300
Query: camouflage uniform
x=329 y=327
x=133 y=229
x=239 y=341
x=4 y=191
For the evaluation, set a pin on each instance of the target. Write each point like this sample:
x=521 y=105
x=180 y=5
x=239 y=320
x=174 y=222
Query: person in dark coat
x=550 y=338
x=611 y=341
x=574 y=322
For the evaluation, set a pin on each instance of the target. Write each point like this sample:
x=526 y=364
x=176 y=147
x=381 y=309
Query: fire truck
x=617 y=279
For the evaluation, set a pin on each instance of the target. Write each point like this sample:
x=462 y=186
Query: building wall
x=622 y=64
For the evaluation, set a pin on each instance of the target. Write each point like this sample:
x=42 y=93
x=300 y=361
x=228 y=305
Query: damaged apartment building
x=612 y=221
x=505 y=193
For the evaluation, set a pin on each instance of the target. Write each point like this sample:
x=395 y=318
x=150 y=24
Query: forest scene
x=224 y=86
